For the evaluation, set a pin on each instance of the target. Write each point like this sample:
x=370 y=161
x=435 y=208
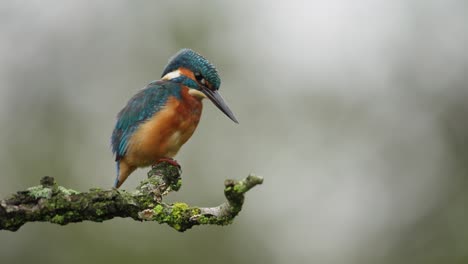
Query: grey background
x=353 y=111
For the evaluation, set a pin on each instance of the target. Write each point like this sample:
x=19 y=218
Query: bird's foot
x=168 y=160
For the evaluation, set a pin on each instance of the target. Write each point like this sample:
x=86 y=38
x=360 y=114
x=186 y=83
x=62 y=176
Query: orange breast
x=164 y=134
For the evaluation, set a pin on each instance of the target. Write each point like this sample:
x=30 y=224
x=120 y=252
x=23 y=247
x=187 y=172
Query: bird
x=161 y=117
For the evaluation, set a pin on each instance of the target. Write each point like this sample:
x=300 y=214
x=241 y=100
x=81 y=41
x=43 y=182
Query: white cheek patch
x=171 y=75
x=197 y=94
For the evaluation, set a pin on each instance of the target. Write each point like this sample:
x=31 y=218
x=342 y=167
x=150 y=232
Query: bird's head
x=194 y=71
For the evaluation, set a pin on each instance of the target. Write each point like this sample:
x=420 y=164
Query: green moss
x=179 y=207
x=204 y=220
x=14 y=223
x=196 y=211
x=176 y=186
x=239 y=188
x=176 y=216
x=40 y=192
x=99 y=212
x=61 y=203
x=57 y=202
x=58 y=219
x=158 y=209
x=137 y=198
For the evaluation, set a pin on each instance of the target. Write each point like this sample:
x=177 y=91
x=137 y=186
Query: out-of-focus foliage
x=353 y=111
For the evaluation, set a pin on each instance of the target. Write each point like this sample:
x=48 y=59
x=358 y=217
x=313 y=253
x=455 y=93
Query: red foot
x=168 y=160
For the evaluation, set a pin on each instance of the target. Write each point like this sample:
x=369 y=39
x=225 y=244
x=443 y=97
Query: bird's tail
x=123 y=170
x=116 y=182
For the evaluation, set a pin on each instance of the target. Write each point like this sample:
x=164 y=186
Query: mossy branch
x=49 y=202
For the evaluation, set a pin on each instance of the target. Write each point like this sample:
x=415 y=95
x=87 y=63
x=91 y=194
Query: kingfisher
x=160 y=118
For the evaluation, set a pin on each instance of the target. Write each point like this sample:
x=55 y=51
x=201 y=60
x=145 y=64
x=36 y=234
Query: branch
x=49 y=202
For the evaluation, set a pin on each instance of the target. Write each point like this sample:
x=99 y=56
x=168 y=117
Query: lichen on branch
x=49 y=202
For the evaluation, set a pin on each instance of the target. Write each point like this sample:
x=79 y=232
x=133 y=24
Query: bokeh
x=355 y=113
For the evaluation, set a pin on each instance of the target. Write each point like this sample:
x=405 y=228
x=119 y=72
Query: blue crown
x=187 y=58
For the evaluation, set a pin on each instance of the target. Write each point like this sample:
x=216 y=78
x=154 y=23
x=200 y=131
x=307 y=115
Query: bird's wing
x=139 y=108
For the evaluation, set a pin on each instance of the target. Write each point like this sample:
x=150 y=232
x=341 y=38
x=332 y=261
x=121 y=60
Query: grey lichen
x=40 y=191
x=66 y=191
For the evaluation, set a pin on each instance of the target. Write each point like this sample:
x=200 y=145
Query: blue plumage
x=141 y=107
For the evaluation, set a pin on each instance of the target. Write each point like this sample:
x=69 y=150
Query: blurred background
x=354 y=112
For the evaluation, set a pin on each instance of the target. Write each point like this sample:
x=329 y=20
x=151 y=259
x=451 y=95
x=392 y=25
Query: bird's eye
x=200 y=78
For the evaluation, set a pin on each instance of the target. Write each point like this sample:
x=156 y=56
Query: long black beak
x=216 y=98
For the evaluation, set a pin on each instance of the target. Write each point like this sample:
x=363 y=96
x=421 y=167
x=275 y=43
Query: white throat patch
x=197 y=94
